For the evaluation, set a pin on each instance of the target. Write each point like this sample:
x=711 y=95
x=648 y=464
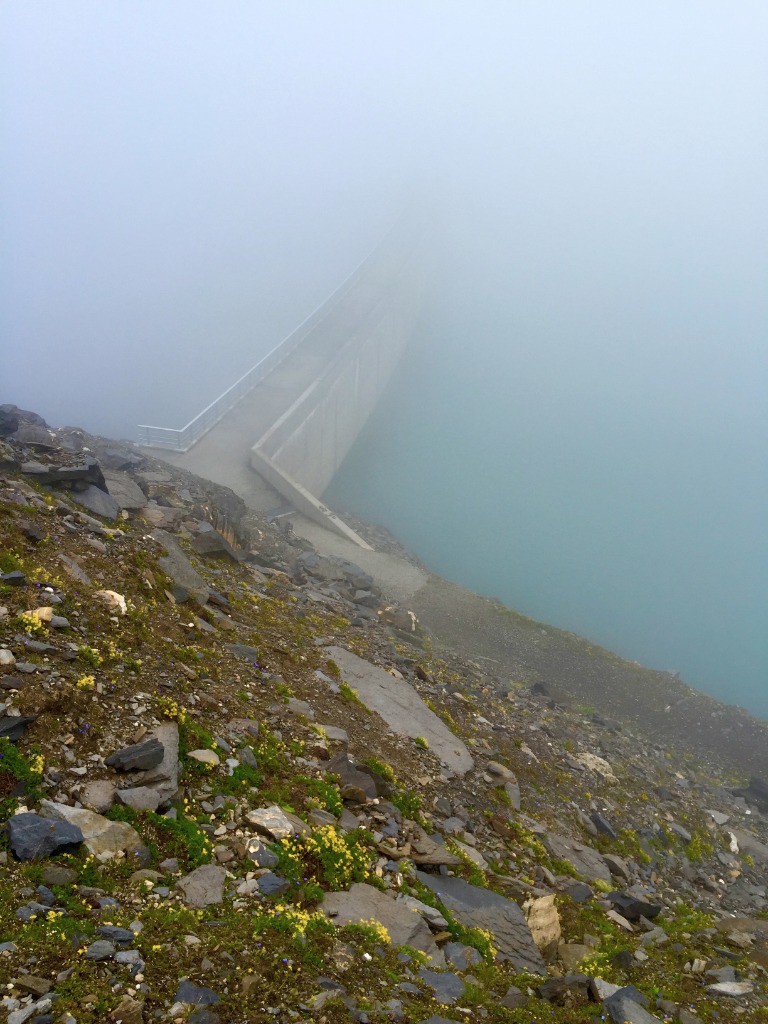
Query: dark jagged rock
x=137 y=757
x=355 y=785
x=33 y=533
x=15 y=578
x=9 y=420
x=195 y=995
x=33 y=837
x=210 y=543
x=569 y=990
x=632 y=908
x=756 y=792
x=121 y=936
x=13 y=728
x=603 y=825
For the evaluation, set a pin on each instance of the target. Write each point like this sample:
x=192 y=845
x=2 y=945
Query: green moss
x=11 y=561
x=19 y=776
x=350 y=693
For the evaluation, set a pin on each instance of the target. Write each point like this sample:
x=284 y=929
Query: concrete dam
x=281 y=431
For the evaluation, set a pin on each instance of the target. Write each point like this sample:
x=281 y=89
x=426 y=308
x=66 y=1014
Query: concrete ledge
x=302 y=499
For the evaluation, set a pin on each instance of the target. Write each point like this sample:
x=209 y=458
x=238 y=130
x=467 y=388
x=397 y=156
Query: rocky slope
x=237 y=786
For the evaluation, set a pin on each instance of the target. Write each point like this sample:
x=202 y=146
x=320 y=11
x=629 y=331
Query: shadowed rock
x=475 y=907
x=137 y=756
x=33 y=837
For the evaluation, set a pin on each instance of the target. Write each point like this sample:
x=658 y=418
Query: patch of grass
x=179 y=837
x=408 y=803
x=11 y=561
x=381 y=768
x=350 y=694
x=90 y=656
x=700 y=848
x=325 y=793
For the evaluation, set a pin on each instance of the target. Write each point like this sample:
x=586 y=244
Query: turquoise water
x=606 y=472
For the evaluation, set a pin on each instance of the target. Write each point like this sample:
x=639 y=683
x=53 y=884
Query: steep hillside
x=238 y=786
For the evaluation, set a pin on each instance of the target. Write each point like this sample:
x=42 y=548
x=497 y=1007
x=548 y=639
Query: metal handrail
x=181 y=439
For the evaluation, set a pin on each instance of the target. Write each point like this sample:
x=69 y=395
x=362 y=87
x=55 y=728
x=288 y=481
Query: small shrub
x=328 y=857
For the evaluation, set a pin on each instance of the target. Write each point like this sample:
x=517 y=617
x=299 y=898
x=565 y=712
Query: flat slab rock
x=176 y=565
x=137 y=757
x=364 y=903
x=475 y=907
x=124 y=491
x=583 y=859
x=203 y=887
x=398 y=703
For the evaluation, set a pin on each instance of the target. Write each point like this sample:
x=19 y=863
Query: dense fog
x=583 y=410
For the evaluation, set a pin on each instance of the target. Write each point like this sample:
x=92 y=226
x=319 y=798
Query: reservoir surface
x=599 y=465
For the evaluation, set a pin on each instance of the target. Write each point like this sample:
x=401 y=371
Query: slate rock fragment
x=195 y=995
x=32 y=837
x=12 y=728
x=137 y=756
x=474 y=906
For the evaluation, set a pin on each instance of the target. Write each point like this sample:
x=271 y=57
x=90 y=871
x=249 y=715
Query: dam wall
x=281 y=432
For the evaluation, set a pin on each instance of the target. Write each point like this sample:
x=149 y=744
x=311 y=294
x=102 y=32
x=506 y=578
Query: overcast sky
x=182 y=182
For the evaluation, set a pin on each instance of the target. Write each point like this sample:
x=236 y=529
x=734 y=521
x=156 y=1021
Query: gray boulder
x=448 y=987
x=354 y=784
x=364 y=903
x=126 y=493
x=98 y=502
x=583 y=859
x=203 y=887
x=623 y=1008
x=99 y=834
x=164 y=779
